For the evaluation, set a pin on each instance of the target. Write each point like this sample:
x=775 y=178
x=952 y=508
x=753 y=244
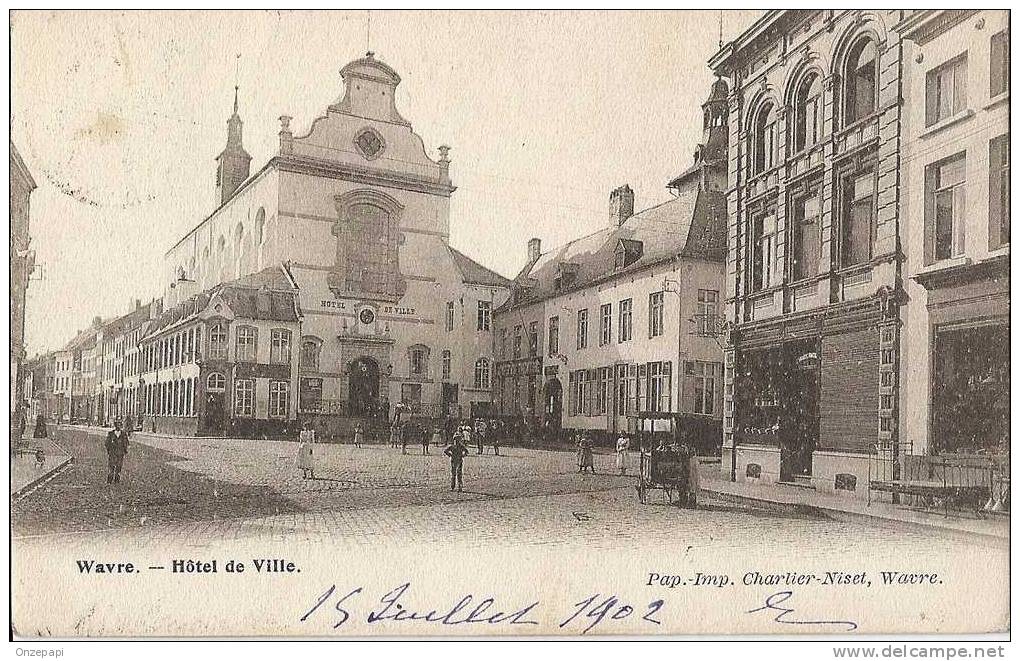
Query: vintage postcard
x=380 y=324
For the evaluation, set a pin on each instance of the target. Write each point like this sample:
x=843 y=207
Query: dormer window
x=627 y=252
x=566 y=276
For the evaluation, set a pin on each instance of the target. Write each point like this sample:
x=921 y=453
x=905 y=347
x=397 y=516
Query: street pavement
x=189 y=491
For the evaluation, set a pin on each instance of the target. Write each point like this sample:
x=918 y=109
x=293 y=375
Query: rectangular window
x=417 y=360
x=946 y=91
x=999 y=73
x=806 y=245
x=484 y=315
x=764 y=246
x=998 y=192
x=945 y=206
x=517 y=341
x=447 y=365
x=245 y=349
x=605 y=324
x=582 y=328
x=656 y=307
x=626 y=320
x=244 y=398
x=279 y=399
x=533 y=338
x=554 y=336
x=704 y=378
x=659 y=387
x=449 y=315
x=708 y=312
x=858 y=217
x=217 y=343
x=279 y=349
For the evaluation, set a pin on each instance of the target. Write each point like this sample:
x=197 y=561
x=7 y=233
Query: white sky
x=119 y=117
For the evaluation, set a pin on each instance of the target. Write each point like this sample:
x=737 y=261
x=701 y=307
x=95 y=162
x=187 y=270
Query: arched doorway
x=553 y=407
x=363 y=387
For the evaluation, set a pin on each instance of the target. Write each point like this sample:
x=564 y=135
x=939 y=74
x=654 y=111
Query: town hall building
x=392 y=318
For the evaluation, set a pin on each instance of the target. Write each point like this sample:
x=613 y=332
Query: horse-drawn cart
x=671 y=466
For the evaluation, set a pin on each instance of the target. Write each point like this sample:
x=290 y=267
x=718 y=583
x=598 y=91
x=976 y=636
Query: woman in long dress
x=305 y=458
x=585 y=456
x=622 y=448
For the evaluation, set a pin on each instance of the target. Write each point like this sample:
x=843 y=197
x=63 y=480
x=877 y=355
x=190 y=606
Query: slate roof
x=474 y=273
x=692 y=226
x=269 y=294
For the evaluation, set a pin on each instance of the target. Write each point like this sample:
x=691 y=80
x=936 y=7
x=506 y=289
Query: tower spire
x=233 y=162
x=720 y=29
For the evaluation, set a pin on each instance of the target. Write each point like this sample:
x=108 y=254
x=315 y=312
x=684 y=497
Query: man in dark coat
x=116 y=448
x=456 y=453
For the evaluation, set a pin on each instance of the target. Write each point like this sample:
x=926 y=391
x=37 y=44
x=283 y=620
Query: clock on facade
x=367 y=316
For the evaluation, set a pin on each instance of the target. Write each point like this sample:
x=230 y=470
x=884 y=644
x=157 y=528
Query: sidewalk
x=26 y=473
x=994 y=527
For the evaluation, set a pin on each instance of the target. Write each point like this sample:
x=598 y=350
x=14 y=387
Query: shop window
x=860 y=77
x=846 y=482
x=945 y=208
x=998 y=192
x=999 y=71
x=702 y=382
x=946 y=90
x=808 y=113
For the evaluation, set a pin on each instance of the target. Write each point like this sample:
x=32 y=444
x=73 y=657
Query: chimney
x=534 y=249
x=97 y=321
x=621 y=204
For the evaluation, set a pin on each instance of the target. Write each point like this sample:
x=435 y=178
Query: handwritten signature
x=772 y=605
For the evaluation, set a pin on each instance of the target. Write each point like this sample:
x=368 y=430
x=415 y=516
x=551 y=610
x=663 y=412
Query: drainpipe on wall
x=898 y=284
x=739 y=195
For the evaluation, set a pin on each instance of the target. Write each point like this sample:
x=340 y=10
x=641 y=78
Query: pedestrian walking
x=394 y=435
x=40 y=427
x=456 y=452
x=306 y=459
x=585 y=456
x=622 y=451
x=359 y=435
x=116 y=448
x=436 y=438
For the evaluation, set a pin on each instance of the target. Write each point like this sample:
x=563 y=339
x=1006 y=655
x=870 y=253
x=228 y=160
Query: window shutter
x=717 y=389
x=929 y=213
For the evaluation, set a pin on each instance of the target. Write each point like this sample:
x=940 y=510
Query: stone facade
x=813 y=277
x=21 y=265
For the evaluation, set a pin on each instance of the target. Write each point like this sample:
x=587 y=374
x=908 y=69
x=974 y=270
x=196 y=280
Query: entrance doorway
x=553 y=407
x=214 y=418
x=363 y=387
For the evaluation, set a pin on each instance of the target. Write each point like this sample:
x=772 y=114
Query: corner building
x=359 y=214
x=814 y=267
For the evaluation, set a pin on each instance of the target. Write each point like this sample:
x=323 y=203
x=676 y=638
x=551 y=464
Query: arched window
x=808 y=113
x=418 y=360
x=310 y=348
x=482 y=373
x=765 y=138
x=216 y=382
x=260 y=226
x=218 y=342
x=860 y=79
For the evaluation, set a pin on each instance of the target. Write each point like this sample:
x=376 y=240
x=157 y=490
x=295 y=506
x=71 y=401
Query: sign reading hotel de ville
x=439 y=324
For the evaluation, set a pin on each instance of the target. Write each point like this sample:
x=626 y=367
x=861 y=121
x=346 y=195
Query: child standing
x=305 y=458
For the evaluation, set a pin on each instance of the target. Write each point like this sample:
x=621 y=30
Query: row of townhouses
x=828 y=281
x=856 y=165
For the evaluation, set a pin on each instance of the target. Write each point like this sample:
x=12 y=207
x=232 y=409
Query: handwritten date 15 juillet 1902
x=337 y=606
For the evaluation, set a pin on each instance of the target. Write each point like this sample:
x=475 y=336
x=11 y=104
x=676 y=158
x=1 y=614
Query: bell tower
x=234 y=163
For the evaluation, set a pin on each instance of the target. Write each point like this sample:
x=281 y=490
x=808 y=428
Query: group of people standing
x=586 y=454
